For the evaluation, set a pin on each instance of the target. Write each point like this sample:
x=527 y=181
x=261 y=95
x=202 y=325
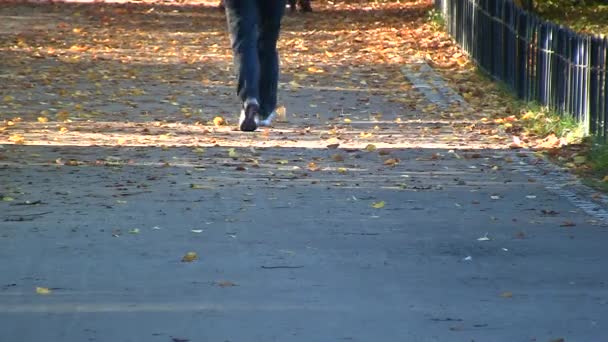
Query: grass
x=588 y=16
x=540 y=121
x=436 y=18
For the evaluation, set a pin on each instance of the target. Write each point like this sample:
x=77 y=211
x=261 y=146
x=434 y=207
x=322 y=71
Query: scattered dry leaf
x=190 y=257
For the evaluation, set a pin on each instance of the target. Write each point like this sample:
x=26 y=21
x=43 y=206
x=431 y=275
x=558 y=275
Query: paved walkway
x=373 y=212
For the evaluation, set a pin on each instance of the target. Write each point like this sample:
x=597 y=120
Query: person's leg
x=271 y=13
x=243 y=17
x=243 y=24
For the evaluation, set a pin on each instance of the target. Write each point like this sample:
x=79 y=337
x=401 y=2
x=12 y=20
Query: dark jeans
x=254 y=27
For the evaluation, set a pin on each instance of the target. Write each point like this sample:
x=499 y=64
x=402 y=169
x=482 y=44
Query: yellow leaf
x=283 y=161
x=312 y=166
x=63 y=130
x=347 y=120
x=366 y=135
x=232 y=153
x=7 y=199
x=121 y=141
x=370 y=148
x=190 y=257
x=219 y=121
x=17 y=139
x=342 y=170
x=43 y=119
x=43 y=290
x=199 y=186
x=8 y=98
x=528 y=116
x=378 y=205
x=605 y=179
x=199 y=150
x=506 y=294
x=315 y=70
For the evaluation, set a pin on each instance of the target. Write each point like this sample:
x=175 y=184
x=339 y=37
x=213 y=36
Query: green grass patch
x=588 y=16
x=542 y=122
x=436 y=18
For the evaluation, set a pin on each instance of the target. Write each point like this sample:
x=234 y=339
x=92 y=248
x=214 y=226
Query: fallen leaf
x=312 y=166
x=332 y=146
x=134 y=231
x=226 y=283
x=391 y=162
x=7 y=199
x=378 y=205
x=516 y=143
x=43 y=290
x=347 y=120
x=567 y=224
x=484 y=238
x=200 y=186
x=17 y=139
x=219 y=121
x=370 y=148
x=507 y=294
x=43 y=119
x=190 y=257
x=232 y=153
x=198 y=231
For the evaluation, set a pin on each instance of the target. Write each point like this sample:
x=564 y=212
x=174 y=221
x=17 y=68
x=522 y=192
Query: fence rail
x=539 y=60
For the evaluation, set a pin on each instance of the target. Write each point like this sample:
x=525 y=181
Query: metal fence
x=539 y=60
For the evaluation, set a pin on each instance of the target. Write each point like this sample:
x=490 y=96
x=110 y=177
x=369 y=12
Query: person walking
x=254 y=27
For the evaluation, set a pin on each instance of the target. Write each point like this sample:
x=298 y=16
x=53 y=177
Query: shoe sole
x=249 y=124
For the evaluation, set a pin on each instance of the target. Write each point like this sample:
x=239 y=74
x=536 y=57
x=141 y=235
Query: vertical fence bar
x=594 y=94
x=604 y=75
x=538 y=60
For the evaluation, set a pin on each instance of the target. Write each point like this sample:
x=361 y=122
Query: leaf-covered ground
x=146 y=73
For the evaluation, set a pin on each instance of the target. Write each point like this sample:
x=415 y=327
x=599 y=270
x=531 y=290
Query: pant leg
x=243 y=20
x=271 y=12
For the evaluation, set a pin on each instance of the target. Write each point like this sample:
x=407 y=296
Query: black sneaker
x=248 y=118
